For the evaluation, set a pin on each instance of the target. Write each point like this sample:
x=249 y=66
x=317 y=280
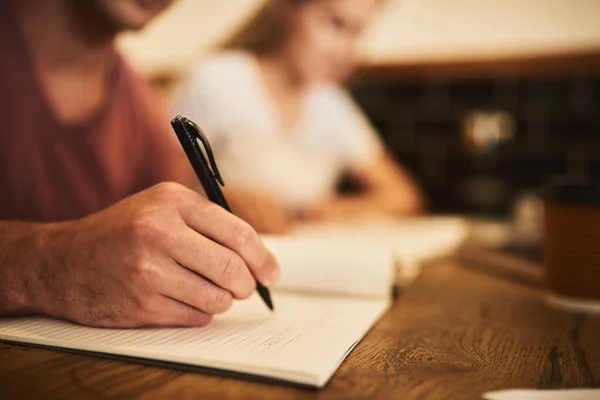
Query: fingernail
x=267 y=283
x=273 y=278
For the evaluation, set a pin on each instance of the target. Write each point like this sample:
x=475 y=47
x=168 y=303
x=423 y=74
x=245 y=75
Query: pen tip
x=266 y=296
x=268 y=301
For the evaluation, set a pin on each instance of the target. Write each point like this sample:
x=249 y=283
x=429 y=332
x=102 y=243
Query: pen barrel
x=210 y=180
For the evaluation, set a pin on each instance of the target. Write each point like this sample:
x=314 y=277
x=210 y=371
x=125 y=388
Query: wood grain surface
x=454 y=334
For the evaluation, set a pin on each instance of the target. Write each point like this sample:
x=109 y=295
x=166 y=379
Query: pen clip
x=198 y=134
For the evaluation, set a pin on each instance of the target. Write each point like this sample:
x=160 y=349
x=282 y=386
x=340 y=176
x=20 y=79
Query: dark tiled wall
x=556 y=132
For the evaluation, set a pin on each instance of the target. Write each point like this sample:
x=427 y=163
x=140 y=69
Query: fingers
x=170 y=312
x=231 y=232
x=216 y=263
x=180 y=283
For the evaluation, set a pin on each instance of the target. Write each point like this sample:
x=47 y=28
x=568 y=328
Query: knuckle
x=146 y=227
x=166 y=192
x=229 y=267
x=243 y=235
x=148 y=306
x=167 y=187
x=221 y=301
x=142 y=272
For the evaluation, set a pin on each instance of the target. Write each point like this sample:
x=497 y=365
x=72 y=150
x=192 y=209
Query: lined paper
x=301 y=342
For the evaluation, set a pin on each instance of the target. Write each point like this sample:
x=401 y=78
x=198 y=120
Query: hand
x=263 y=212
x=317 y=213
x=338 y=208
x=165 y=256
x=330 y=209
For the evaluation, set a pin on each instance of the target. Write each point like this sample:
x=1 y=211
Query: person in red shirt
x=89 y=231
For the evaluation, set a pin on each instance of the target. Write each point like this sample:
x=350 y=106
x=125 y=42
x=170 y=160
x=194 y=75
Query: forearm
x=349 y=206
x=342 y=207
x=401 y=199
x=379 y=201
x=21 y=256
x=363 y=202
x=386 y=188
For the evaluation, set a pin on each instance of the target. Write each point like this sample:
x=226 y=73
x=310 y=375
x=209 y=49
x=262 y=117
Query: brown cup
x=571 y=245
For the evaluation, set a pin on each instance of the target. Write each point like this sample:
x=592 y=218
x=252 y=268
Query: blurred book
x=413 y=240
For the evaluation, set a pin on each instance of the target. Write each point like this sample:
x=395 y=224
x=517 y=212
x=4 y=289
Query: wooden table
x=454 y=334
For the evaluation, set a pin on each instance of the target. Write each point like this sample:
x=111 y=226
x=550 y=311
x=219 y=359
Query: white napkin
x=525 y=394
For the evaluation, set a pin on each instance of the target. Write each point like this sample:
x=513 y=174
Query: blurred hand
x=320 y=212
x=265 y=213
x=330 y=209
x=165 y=256
x=337 y=208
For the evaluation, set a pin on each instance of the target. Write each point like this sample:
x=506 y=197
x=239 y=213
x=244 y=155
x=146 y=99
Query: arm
x=165 y=256
x=208 y=98
x=263 y=212
x=18 y=261
x=386 y=188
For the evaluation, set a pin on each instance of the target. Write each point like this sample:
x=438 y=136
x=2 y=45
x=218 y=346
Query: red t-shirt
x=50 y=171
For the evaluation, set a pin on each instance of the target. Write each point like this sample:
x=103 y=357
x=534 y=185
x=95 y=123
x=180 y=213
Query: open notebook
x=329 y=297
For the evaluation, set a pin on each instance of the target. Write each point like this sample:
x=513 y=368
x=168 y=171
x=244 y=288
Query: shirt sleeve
x=359 y=144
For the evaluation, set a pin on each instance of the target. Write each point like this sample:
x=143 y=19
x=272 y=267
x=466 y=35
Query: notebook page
x=332 y=266
x=301 y=342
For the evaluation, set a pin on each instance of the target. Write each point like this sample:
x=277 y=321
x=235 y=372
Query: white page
x=304 y=341
x=333 y=267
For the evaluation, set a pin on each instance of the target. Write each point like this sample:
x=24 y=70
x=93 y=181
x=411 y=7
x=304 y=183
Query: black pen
x=189 y=133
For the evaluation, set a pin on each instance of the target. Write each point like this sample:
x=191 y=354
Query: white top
x=227 y=97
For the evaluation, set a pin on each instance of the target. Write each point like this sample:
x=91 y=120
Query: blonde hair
x=267 y=30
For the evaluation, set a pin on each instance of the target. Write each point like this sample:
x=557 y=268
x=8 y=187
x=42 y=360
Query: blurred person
x=282 y=128
x=87 y=231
